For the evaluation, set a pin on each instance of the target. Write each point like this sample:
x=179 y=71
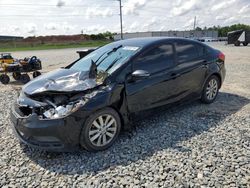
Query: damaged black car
x=87 y=103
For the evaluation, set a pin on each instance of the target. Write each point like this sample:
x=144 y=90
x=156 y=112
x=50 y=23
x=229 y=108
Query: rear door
x=191 y=68
x=159 y=87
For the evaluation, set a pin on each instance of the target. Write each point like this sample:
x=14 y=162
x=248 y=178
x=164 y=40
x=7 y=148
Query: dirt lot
x=193 y=145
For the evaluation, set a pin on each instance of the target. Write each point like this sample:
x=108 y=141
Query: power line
x=32 y=15
x=55 y=5
x=75 y=6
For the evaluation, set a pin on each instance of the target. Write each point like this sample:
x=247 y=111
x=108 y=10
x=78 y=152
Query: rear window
x=189 y=51
x=201 y=50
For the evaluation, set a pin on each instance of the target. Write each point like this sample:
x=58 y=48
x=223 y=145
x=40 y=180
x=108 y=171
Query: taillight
x=221 y=56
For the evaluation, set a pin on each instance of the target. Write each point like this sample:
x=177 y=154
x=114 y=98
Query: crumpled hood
x=61 y=80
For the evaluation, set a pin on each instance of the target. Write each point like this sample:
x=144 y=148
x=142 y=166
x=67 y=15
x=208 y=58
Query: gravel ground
x=193 y=145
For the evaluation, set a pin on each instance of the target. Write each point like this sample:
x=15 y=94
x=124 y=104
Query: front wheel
x=101 y=129
x=210 y=90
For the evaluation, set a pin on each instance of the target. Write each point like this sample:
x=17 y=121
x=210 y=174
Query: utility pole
x=194 y=23
x=120 y=1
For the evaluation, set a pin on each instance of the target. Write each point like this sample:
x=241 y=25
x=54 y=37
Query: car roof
x=148 y=41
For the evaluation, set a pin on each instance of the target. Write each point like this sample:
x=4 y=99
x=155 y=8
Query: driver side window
x=156 y=59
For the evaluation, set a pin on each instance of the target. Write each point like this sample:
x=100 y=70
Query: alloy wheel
x=102 y=130
x=212 y=89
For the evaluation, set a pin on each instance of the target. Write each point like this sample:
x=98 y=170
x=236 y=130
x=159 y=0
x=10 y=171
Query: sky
x=66 y=17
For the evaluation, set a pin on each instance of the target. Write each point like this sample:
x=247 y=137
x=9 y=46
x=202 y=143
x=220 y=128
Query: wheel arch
x=115 y=100
x=218 y=76
x=122 y=118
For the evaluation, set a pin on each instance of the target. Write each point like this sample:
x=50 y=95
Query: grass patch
x=55 y=46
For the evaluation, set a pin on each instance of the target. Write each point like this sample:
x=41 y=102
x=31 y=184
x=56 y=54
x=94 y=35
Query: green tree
x=222 y=31
x=198 y=29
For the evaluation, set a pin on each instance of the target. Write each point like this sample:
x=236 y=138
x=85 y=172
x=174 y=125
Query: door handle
x=205 y=66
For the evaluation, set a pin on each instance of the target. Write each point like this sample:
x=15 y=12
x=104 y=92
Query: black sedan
x=87 y=103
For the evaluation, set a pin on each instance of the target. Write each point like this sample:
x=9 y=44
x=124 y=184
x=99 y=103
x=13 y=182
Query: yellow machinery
x=18 y=68
x=6 y=58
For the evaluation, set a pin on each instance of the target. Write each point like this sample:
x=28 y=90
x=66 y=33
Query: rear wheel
x=16 y=75
x=5 y=79
x=100 y=130
x=36 y=74
x=245 y=43
x=210 y=90
x=25 y=78
x=237 y=43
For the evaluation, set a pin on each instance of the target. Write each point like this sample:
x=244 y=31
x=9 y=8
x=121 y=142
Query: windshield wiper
x=100 y=57
x=94 y=65
x=108 y=53
x=114 y=49
x=113 y=63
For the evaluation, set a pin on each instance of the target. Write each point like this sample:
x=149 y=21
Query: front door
x=159 y=87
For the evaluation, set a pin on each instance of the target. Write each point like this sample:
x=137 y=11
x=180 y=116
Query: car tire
x=245 y=43
x=237 y=43
x=36 y=74
x=25 y=78
x=210 y=90
x=16 y=75
x=100 y=130
x=5 y=79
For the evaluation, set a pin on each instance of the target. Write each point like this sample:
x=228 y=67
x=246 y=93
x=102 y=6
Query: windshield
x=107 y=58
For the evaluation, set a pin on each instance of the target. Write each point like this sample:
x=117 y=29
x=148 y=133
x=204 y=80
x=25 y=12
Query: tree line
x=222 y=31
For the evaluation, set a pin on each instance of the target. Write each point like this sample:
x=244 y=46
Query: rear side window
x=188 y=51
x=201 y=50
x=156 y=59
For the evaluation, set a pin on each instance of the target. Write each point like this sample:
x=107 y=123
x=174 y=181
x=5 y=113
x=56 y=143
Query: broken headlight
x=57 y=112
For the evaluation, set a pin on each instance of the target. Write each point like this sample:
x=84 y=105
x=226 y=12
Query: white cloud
x=222 y=5
x=184 y=7
x=16 y=29
x=66 y=17
x=98 y=11
x=135 y=26
x=231 y=20
x=60 y=3
x=132 y=6
x=245 y=9
x=150 y=25
x=221 y=17
x=31 y=28
x=94 y=29
x=51 y=26
x=189 y=24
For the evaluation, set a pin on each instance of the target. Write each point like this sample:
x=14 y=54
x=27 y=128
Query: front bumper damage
x=50 y=135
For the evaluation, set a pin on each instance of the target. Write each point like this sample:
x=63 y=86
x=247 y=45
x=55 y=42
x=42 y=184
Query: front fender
x=111 y=96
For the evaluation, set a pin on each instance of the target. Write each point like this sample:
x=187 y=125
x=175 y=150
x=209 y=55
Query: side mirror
x=140 y=74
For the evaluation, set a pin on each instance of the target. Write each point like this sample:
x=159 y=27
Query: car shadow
x=158 y=130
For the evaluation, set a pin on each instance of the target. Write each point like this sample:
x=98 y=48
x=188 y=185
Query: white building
x=185 y=34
